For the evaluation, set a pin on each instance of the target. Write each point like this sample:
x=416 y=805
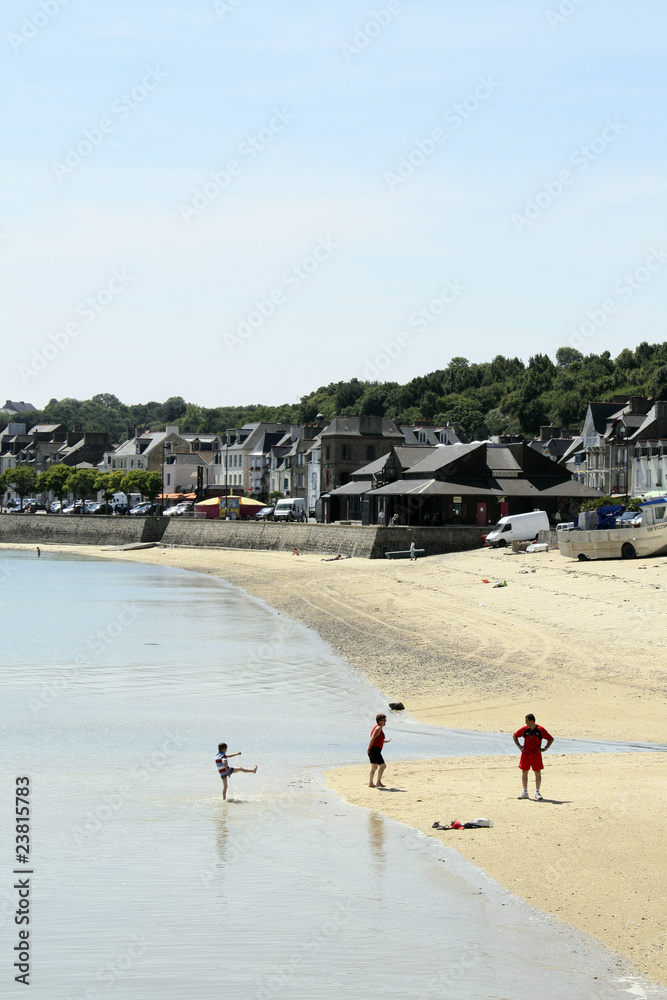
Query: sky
x=240 y=201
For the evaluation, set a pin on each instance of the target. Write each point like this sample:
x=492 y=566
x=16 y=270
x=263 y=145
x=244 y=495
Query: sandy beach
x=582 y=645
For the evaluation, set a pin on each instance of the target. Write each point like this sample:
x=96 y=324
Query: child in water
x=221 y=760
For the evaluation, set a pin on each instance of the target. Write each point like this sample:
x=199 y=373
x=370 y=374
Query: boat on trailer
x=602 y=534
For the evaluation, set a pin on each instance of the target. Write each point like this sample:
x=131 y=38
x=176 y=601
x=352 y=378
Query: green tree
x=104 y=486
x=21 y=480
x=135 y=482
x=152 y=485
x=82 y=483
x=56 y=480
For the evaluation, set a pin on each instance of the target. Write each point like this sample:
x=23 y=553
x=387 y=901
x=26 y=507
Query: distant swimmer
x=222 y=762
x=38 y=552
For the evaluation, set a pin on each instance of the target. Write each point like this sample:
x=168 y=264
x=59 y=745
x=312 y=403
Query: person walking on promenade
x=221 y=760
x=377 y=741
x=531 y=753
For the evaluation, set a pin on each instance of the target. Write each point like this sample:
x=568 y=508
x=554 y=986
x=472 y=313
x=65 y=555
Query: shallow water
x=118 y=681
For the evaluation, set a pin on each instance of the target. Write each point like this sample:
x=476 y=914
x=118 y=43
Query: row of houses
x=354 y=468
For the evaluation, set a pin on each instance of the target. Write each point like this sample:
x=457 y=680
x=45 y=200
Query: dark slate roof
x=443 y=456
x=352 y=426
x=355 y=488
x=500 y=459
x=601 y=412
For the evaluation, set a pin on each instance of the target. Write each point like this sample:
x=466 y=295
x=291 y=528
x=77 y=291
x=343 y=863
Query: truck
x=518 y=527
x=290 y=509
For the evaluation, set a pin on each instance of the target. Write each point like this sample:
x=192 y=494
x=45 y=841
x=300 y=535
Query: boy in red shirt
x=377 y=741
x=531 y=753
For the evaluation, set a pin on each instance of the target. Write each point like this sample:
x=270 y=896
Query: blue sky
x=241 y=201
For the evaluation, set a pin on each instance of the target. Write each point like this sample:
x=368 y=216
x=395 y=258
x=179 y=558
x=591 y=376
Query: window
x=314 y=481
x=370 y=452
x=648 y=477
x=169 y=479
x=328 y=452
x=345 y=451
x=300 y=479
x=422 y=437
x=285 y=484
x=300 y=458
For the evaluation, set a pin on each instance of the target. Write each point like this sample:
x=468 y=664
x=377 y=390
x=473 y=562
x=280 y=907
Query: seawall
x=328 y=539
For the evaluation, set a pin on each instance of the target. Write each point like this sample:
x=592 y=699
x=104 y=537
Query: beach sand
x=582 y=645
x=593 y=853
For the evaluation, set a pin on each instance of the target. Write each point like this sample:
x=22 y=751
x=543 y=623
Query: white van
x=519 y=527
x=289 y=509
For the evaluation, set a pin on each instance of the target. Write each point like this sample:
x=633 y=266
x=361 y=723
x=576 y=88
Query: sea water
x=118 y=681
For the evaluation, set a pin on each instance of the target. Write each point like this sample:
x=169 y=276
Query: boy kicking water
x=224 y=768
x=531 y=753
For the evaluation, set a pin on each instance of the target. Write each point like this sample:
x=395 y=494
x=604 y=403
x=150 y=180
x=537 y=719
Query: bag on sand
x=482 y=822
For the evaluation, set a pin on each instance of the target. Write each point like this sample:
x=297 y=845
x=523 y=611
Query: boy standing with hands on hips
x=531 y=753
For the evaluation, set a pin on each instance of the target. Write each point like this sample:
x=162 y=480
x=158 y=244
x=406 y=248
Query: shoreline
x=574 y=643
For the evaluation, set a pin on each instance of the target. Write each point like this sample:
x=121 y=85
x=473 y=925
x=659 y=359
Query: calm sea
x=118 y=681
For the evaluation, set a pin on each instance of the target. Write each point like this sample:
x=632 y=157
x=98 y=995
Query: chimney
x=549 y=431
x=638 y=405
x=171 y=429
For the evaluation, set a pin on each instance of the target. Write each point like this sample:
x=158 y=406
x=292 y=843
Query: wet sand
x=583 y=646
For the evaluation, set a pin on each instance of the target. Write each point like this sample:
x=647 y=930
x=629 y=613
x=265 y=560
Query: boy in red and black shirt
x=531 y=753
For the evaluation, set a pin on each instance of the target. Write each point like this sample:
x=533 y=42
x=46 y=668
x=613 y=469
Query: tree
x=174 y=408
x=104 y=486
x=20 y=479
x=82 y=483
x=659 y=384
x=566 y=355
x=56 y=480
x=135 y=482
x=152 y=485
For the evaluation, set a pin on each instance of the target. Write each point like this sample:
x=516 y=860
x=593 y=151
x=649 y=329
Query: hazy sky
x=240 y=201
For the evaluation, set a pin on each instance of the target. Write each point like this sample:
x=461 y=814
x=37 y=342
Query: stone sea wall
x=328 y=539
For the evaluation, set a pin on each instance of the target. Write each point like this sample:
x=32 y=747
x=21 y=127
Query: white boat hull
x=614 y=543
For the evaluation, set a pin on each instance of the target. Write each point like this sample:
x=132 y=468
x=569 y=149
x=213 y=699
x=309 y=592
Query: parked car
x=80 y=507
x=146 y=510
x=56 y=507
x=100 y=508
x=290 y=509
x=32 y=507
x=519 y=527
x=184 y=507
x=629 y=519
x=265 y=514
x=565 y=526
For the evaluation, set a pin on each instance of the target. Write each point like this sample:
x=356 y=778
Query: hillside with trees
x=504 y=394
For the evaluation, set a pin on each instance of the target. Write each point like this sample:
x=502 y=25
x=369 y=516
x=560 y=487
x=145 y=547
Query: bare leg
x=371 y=783
x=379 y=784
x=524 y=780
x=224 y=788
x=247 y=770
x=538 y=780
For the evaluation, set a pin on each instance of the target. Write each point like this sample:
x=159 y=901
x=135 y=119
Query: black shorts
x=375 y=755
